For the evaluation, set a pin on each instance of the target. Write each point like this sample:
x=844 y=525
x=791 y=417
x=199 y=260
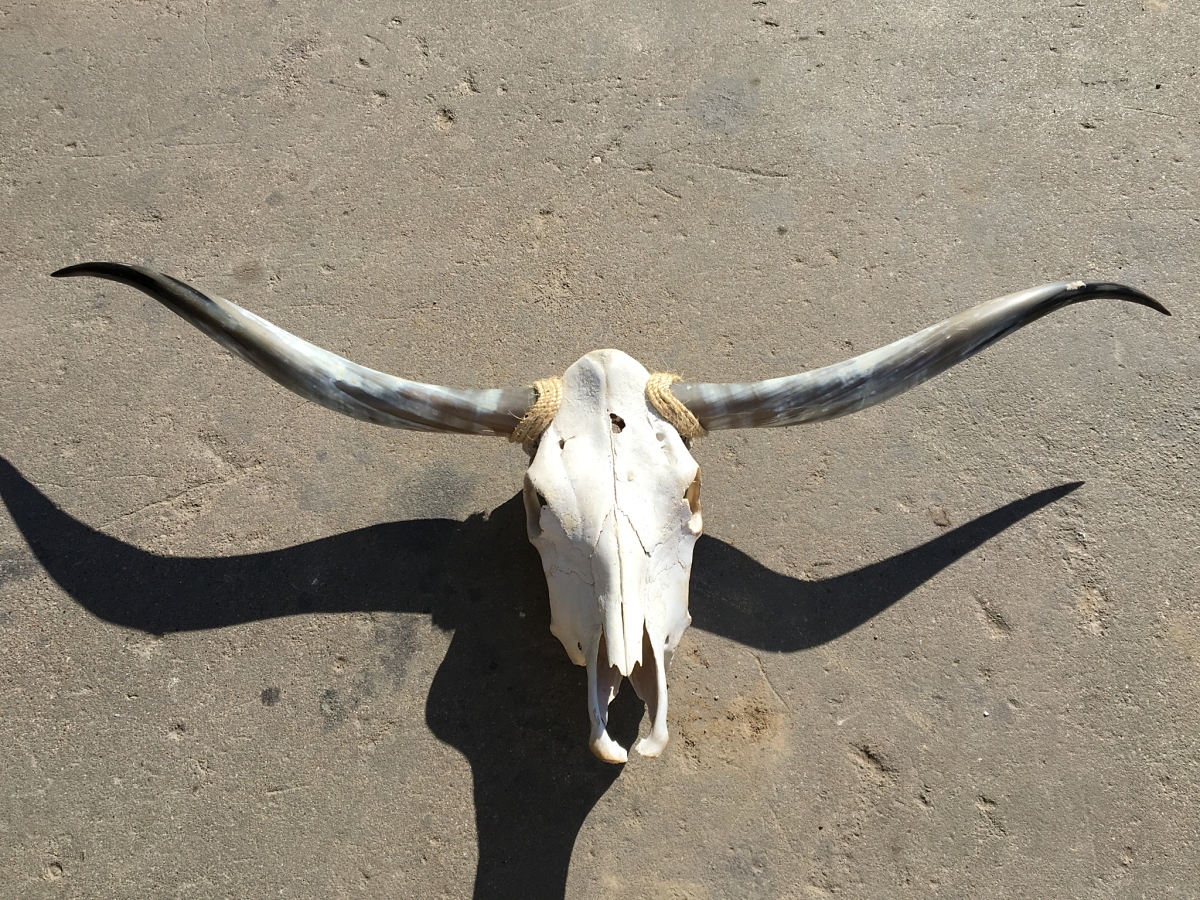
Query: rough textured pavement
x=250 y=648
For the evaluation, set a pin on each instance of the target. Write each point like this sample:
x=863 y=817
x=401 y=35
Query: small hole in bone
x=579 y=645
x=618 y=424
x=562 y=442
x=541 y=500
x=661 y=437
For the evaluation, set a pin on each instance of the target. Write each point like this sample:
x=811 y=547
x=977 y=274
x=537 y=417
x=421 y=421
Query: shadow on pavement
x=505 y=695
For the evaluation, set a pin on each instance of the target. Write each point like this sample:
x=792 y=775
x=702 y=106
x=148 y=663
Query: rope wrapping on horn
x=658 y=395
x=541 y=414
x=667 y=405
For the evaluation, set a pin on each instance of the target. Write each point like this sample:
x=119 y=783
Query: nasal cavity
x=618 y=424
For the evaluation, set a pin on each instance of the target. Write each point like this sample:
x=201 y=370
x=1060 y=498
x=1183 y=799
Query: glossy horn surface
x=879 y=375
x=321 y=376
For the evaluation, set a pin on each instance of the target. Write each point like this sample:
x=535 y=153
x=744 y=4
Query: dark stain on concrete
x=334 y=707
x=397 y=640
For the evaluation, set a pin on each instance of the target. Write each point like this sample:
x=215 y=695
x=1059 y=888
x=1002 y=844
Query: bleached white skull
x=612 y=493
x=613 y=504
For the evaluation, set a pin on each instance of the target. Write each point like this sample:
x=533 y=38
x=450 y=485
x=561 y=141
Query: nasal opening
x=649 y=680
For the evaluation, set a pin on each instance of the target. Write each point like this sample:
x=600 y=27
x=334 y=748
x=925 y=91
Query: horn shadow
x=737 y=598
x=504 y=695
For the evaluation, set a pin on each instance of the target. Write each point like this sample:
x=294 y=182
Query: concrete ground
x=947 y=647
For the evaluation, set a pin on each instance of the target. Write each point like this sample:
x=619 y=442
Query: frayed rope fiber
x=658 y=395
x=667 y=405
x=541 y=414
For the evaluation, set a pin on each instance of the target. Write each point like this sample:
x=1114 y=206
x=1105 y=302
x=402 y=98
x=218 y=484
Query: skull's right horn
x=319 y=375
x=873 y=377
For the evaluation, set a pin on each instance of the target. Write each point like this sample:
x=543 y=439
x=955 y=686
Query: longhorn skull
x=612 y=494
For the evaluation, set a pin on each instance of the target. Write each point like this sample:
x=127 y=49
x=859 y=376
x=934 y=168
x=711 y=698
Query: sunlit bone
x=612 y=493
x=613 y=506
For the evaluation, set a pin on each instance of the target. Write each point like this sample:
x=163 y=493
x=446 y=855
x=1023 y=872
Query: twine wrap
x=658 y=395
x=667 y=405
x=541 y=414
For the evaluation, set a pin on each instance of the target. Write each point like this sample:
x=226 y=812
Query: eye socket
x=692 y=494
x=534 y=504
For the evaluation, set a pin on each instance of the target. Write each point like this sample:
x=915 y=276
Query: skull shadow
x=505 y=695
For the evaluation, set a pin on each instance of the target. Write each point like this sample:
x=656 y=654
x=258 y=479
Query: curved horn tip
x=68 y=271
x=100 y=270
x=79 y=269
x=1119 y=291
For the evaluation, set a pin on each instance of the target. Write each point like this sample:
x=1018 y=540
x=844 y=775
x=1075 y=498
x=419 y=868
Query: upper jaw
x=649 y=680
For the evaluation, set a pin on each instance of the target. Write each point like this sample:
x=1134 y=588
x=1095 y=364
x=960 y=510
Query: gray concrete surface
x=249 y=648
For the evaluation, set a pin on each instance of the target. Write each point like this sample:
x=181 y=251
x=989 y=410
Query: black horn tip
x=68 y=271
x=89 y=268
x=139 y=277
x=1089 y=289
x=111 y=270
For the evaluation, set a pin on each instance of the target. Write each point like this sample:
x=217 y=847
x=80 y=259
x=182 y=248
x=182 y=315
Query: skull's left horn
x=319 y=375
x=871 y=378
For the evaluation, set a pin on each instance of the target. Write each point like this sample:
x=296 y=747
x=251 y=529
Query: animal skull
x=613 y=505
x=612 y=494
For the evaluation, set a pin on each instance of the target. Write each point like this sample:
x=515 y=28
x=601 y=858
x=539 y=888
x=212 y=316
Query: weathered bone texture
x=612 y=495
x=319 y=375
x=612 y=498
x=879 y=375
